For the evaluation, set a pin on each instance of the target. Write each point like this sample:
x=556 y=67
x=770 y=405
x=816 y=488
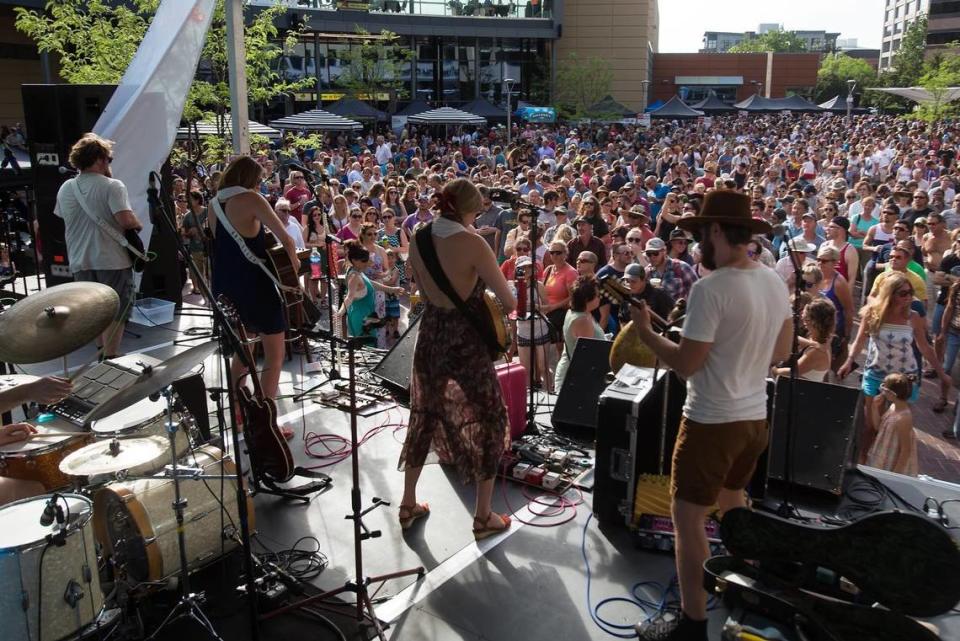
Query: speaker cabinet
x=55 y=117
x=576 y=409
x=397 y=366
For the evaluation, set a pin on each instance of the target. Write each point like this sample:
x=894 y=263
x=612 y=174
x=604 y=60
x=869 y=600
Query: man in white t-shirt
x=95 y=254
x=384 y=151
x=738 y=323
x=283 y=209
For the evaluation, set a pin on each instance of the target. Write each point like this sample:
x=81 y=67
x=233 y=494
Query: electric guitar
x=268 y=450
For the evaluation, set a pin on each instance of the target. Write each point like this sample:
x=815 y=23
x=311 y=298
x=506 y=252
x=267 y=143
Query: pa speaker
x=576 y=408
x=397 y=366
x=820 y=441
x=56 y=116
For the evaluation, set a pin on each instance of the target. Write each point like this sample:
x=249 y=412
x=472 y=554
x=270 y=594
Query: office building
x=943 y=24
x=898 y=14
x=723 y=41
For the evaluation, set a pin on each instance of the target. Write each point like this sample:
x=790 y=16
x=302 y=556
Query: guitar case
x=748 y=588
x=905 y=562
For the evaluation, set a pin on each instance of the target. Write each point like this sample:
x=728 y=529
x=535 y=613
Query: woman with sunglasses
x=375 y=271
x=315 y=238
x=838 y=290
x=393 y=235
x=889 y=329
x=339 y=216
x=352 y=229
x=394 y=202
x=558 y=278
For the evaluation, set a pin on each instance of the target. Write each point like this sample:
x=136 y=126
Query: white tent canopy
x=210 y=128
x=921 y=95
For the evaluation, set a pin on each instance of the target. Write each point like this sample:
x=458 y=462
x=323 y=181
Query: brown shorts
x=708 y=457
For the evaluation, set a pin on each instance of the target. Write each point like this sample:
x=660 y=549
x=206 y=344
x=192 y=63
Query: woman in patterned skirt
x=456 y=410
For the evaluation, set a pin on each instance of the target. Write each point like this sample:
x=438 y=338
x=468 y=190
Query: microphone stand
x=532 y=314
x=213 y=333
x=786 y=507
x=229 y=343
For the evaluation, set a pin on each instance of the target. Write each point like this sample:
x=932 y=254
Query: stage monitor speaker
x=55 y=117
x=823 y=433
x=396 y=367
x=576 y=408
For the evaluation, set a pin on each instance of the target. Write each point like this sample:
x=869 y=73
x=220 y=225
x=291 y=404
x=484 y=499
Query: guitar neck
x=655 y=318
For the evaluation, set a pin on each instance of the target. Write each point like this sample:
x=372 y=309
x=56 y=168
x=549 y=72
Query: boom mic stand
x=533 y=313
x=360 y=584
x=786 y=507
x=213 y=333
x=229 y=342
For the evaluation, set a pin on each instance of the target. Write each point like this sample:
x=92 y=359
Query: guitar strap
x=225 y=194
x=102 y=224
x=428 y=252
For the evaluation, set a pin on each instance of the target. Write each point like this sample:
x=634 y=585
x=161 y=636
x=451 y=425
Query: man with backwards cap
x=738 y=323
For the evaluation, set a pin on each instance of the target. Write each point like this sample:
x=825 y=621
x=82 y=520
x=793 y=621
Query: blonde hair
x=874 y=311
x=88 y=150
x=459 y=197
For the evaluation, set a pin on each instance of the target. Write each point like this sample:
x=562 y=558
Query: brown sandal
x=940 y=406
x=410 y=513
x=485 y=530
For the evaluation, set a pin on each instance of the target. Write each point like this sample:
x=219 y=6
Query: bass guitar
x=269 y=454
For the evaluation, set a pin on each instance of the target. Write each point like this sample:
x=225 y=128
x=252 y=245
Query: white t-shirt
x=739 y=311
x=87 y=245
x=296 y=233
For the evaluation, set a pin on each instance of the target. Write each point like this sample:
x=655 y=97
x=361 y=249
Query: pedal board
x=655 y=532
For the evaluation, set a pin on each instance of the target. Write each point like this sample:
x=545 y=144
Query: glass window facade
x=443 y=70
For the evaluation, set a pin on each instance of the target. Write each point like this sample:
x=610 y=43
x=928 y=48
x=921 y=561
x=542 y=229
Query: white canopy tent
x=921 y=95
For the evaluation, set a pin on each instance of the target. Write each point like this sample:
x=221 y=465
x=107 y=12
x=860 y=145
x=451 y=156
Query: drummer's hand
x=16 y=432
x=48 y=389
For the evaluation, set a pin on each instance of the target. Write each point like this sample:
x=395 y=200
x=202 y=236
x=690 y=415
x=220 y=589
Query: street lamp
x=509 y=82
x=645 y=84
x=851 y=85
x=758 y=85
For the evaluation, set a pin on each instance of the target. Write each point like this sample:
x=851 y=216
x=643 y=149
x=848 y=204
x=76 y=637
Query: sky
x=682 y=22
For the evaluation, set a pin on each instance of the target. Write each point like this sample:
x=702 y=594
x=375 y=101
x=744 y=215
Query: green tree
x=778 y=41
x=908 y=61
x=939 y=75
x=95 y=41
x=375 y=63
x=836 y=69
x=580 y=84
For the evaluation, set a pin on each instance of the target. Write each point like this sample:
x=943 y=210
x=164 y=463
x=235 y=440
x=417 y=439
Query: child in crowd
x=391 y=277
x=894 y=444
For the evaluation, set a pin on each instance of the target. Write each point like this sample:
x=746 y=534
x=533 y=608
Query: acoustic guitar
x=300 y=310
x=269 y=454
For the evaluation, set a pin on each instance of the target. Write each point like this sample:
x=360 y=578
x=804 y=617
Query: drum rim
x=80 y=523
x=43 y=449
x=162 y=416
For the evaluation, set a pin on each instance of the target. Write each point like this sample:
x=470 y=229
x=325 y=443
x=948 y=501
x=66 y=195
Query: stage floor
x=530 y=582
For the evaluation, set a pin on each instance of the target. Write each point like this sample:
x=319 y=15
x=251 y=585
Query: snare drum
x=149 y=418
x=137 y=526
x=47 y=591
x=38 y=458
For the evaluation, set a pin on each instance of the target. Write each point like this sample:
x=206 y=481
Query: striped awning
x=316 y=120
x=210 y=128
x=447 y=116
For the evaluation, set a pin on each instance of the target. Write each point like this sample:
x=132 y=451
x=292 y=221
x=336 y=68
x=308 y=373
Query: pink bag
x=513 y=386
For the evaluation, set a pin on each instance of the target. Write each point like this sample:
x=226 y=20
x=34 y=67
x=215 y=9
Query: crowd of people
x=849 y=205
x=856 y=221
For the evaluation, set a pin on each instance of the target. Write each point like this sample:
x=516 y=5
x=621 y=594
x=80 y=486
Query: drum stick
x=42 y=434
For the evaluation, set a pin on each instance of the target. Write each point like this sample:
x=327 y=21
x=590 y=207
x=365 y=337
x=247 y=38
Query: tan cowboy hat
x=726 y=208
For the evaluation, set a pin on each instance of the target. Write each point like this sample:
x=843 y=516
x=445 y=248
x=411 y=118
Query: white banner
x=145 y=111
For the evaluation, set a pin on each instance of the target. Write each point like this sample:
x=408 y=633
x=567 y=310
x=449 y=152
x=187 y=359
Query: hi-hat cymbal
x=56 y=321
x=152 y=380
x=109 y=457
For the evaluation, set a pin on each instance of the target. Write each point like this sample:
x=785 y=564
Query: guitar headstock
x=612 y=290
x=229 y=309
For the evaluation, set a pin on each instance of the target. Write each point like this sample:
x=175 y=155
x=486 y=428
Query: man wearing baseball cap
x=738 y=323
x=676 y=277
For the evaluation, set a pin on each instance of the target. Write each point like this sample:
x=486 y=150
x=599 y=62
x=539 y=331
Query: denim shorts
x=872 y=380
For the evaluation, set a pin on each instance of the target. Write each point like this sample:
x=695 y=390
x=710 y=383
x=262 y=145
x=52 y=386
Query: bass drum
x=48 y=590
x=137 y=527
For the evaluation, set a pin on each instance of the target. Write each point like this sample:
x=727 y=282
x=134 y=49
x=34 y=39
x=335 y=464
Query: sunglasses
x=522 y=249
x=584 y=260
x=284 y=210
x=904 y=293
x=825 y=260
x=634 y=240
x=557 y=252
x=652 y=253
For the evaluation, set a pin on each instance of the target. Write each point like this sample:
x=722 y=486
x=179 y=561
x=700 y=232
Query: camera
x=519 y=273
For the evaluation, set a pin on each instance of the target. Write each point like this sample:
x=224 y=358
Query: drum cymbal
x=56 y=321
x=109 y=457
x=153 y=379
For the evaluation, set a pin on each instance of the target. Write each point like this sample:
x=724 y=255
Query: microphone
x=66 y=171
x=51 y=511
x=330 y=238
x=298 y=167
